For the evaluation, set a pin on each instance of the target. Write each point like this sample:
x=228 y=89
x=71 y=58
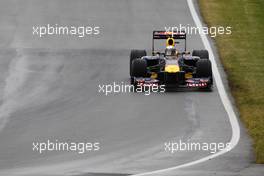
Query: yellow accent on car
x=154 y=75
x=188 y=75
x=172 y=68
x=170 y=42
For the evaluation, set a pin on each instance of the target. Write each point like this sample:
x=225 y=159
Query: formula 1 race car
x=171 y=68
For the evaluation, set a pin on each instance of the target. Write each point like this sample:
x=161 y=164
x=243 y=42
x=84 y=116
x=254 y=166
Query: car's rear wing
x=179 y=35
x=167 y=34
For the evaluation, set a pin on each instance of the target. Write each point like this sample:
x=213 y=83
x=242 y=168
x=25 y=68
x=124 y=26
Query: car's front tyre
x=136 y=54
x=204 y=70
x=139 y=68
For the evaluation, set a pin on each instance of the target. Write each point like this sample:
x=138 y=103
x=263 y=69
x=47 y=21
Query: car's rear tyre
x=139 y=68
x=203 y=54
x=136 y=54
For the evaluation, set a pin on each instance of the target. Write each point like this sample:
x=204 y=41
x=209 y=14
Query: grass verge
x=242 y=54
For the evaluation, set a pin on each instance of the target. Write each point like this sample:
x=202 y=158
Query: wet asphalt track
x=49 y=90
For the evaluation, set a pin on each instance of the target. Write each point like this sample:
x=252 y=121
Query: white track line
x=224 y=98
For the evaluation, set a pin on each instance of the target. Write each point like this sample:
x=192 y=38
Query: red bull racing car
x=171 y=68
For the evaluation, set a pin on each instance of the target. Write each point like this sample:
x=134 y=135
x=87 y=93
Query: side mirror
x=186 y=52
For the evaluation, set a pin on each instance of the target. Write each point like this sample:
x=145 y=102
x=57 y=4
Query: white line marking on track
x=224 y=98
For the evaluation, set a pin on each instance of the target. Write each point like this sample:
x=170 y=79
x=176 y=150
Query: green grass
x=242 y=54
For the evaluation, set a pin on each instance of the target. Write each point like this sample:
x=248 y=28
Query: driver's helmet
x=170 y=51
